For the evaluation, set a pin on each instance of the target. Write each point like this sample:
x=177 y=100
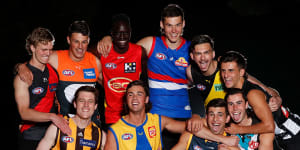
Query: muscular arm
x=172 y=125
x=111 y=143
x=49 y=139
x=266 y=141
x=100 y=78
x=144 y=59
x=183 y=141
x=146 y=42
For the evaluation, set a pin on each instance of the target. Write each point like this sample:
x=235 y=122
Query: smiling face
x=78 y=46
x=237 y=107
x=232 y=75
x=121 y=35
x=85 y=105
x=203 y=55
x=136 y=99
x=41 y=52
x=216 y=119
x=173 y=27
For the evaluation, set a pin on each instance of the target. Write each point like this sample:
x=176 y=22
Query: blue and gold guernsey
x=196 y=143
x=167 y=79
x=144 y=137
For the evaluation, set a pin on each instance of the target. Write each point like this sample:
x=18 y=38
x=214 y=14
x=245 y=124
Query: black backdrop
x=264 y=31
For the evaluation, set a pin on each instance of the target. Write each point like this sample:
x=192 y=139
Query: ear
x=96 y=105
x=32 y=48
x=227 y=118
x=68 y=40
x=214 y=53
x=192 y=55
x=161 y=25
x=74 y=104
x=242 y=72
x=147 y=100
x=247 y=104
x=183 y=23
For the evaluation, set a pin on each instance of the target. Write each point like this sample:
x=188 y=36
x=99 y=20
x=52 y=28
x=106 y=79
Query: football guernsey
x=118 y=71
x=88 y=138
x=144 y=137
x=196 y=143
x=167 y=79
x=42 y=94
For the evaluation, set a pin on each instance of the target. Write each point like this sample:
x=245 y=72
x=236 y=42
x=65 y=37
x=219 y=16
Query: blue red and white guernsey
x=167 y=79
x=42 y=93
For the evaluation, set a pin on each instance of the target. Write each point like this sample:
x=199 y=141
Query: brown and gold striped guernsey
x=88 y=138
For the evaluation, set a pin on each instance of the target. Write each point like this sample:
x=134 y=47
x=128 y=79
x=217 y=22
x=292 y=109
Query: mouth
x=215 y=127
x=203 y=65
x=236 y=116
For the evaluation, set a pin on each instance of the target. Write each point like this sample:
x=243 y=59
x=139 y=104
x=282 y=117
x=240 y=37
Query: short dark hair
x=200 y=39
x=217 y=102
x=172 y=10
x=86 y=89
x=38 y=35
x=233 y=91
x=120 y=18
x=234 y=56
x=79 y=27
x=148 y=105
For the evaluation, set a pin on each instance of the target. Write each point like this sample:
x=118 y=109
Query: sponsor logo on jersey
x=130 y=67
x=67 y=139
x=181 y=62
x=197 y=147
x=127 y=136
x=88 y=143
x=218 y=87
x=110 y=66
x=253 y=144
x=160 y=56
x=201 y=87
x=68 y=72
x=52 y=87
x=118 y=84
x=152 y=131
x=38 y=90
x=89 y=73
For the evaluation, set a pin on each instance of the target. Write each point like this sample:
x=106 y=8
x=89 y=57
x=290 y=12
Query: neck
x=81 y=123
x=173 y=45
x=247 y=121
x=135 y=118
x=36 y=64
x=211 y=69
x=240 y=83
x=121 y=50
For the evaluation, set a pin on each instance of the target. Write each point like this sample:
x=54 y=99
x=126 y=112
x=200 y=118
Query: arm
x=110 y=142
x=24 y=73
x=23 y=99
x=144 y=59
x=189 y=74
x=183 y=141
x=172 y=125
x=195 y=123
x=266 y=141
x=103 y=140
x=104 y=46
x=100 y=77
x=257 y=101
x=146 y=42
x=49 y=139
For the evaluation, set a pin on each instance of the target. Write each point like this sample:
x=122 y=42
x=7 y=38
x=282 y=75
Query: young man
x=167 y=63
x=138 y=129
x=126 y=62
x=216 y=117
x=237 y=104
x=76 y=67
x=35 y=102
x=85 y=133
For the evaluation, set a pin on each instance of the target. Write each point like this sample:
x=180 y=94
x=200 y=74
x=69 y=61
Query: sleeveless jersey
x=167 y=79
x=73 y=75
x=118 y=71
x=144 y=137
x=208 y=87
x=88 y=138
x=196 y=143
x=42 y=95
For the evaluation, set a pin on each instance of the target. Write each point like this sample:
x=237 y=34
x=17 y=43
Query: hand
x=104 y=46
x=223 y=147
x=25 y=73
x=232 y=129
x=195 y=123
x=231 y=140
x=62 y=124
x=275 y=103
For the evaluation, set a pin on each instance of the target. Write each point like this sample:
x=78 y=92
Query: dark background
x=265 y=31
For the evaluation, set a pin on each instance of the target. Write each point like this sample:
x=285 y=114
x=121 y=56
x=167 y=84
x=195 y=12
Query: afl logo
x=110 y=66
x=201 y=87
x=160 y=56
x=68 y=72
x=127 y=136
x=38 y=90
x=67 y=139
x=118 y=84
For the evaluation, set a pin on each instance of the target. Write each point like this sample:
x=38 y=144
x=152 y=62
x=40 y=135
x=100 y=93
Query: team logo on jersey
x=160 y=56
x=88 y=143
x=218 y=87
x=67 y=139
x=118 y=84
x=127 y=136
x=197 y=147
x=253 y=144
x=130 y=67
x=89 y=73
x=110 y=66
x=181 y=62
x=38 y=90
x=68 y=72
x=52 y=87
x=152 y=131
x=201 y=87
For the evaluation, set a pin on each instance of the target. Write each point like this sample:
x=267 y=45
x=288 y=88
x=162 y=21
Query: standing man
x=167 y=63
x=125 y=63
x=85 y=133
x=237 y=104
x=35 y=102
x=76 y=67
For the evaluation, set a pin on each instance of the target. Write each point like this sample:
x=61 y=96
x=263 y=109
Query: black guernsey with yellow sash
x=88 y=138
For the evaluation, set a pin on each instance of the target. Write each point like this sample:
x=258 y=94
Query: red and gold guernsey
x=118 y=71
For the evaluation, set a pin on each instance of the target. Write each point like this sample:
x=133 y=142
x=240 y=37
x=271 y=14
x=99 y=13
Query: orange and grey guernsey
x=73 y=75
x=88 y=138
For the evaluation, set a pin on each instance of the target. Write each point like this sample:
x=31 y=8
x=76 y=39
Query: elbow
x=270 y=127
